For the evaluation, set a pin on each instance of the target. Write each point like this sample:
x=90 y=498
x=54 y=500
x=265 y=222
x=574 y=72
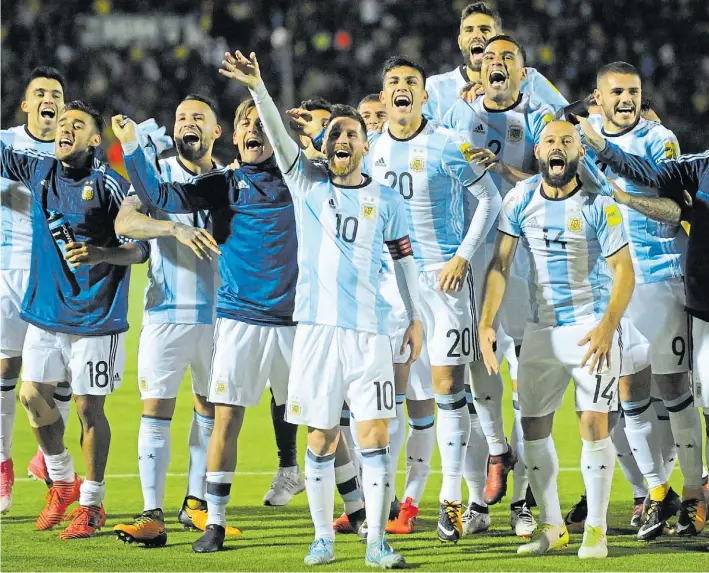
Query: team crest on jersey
x=294 y=408
x=369 y=210
x=547 y=118
x=143 y=384
x=613 y=215
x=574 y=224
x=221 y=388
x=514 y=133
x=671 y=150
x=467 y=150
x=87 y=193
x=416 y=164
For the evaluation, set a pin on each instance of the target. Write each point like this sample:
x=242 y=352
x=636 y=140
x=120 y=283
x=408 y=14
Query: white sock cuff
x=220 y=477
x=597 y=445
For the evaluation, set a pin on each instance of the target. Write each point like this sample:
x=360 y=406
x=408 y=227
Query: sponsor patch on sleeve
x=613 y=215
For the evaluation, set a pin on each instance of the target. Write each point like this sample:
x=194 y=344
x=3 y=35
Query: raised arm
x=208 y=191
x=17 y=166
x=246 y=71
x=133 y=222
x=670 y=177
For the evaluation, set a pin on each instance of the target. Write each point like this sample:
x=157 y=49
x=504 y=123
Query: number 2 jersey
x=569 y=240
x=432 y=173
x=657 y=249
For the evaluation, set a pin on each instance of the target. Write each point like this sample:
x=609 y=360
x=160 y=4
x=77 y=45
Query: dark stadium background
x=140 y=57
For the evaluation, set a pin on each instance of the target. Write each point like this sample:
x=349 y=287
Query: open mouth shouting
x=191 y=137
x=477 y=47
x=48 y=112
x=557 y=163
x=254 y=144
x=403 y=102
x=498 y=78
x=66 y=142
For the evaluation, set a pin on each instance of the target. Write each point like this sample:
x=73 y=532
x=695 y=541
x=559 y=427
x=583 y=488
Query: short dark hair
x=481 y=8
x=400 y=62
x=205 y=100
x=617 y=68
x=511 y=40
x=316 y=103
x=86 y=108
x=342 y=110
x=49 y=73
x=368 y=98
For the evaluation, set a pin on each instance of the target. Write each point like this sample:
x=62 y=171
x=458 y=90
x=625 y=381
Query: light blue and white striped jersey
x=431 y=172
x=568 y=239
x=181 y=287
x=16 y=211
x=443 y=90
x=657 y=249
x=341 y=233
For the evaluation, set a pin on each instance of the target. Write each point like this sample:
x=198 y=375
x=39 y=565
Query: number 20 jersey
x=431 y=171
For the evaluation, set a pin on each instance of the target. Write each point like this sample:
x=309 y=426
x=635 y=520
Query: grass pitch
x=276 y=539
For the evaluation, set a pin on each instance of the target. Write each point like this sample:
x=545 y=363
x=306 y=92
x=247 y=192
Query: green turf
x=276 y=539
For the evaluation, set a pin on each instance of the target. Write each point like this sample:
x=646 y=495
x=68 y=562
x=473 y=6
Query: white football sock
x=597 y=465
x=397 y=431
x=452 y=432
x=60 y=467
x=687 y=431
x=8 y=408
x=487 y=397
x=419 y=451
x=543 y=472
x=520 y=479
x=218 y=494
x=347 y=483
x=62 y=398
x=320 y=488
x=626 y=460
x=198 y=440
x=640 y=426
x=92 y=493
x=665 y=437
x=153 y=459
x=475 y=466
x=378 y=486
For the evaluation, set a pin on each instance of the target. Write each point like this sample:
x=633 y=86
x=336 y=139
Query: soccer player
x=478 y=23
x=429 y=167
x=657 y=341
x=255 y=329
x=373 y=112
x=671 y=177
x=506 y=123
x=178 y=325
x=44 y=97
x=583 y=279
x=76 y=304
x=341 y=351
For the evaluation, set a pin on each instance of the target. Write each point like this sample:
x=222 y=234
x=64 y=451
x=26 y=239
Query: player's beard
x=554 y=180
x=191 y=152
x=610 y=116
x=337 y=168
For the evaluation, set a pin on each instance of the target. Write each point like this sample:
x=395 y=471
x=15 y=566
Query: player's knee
x=203 y=407
x=10 y=367
x=537 y=428
x=322 y=442
x=593 y=425
x=40 y=411
x=672 y=386
x=90 y=411
x=373 y=433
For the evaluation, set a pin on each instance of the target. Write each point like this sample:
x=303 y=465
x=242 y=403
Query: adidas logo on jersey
x=243 y=184
x=479 y=128
x=380 y=162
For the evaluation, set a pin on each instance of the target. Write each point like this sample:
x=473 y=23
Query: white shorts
x=700 y=363
x=332 y=365
x=515 y=310
x=92 y=364
x=246 y=357
x=450 y=330
x=656 y=335
x=13 y=284
x=550 y=357
x=166 y=351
